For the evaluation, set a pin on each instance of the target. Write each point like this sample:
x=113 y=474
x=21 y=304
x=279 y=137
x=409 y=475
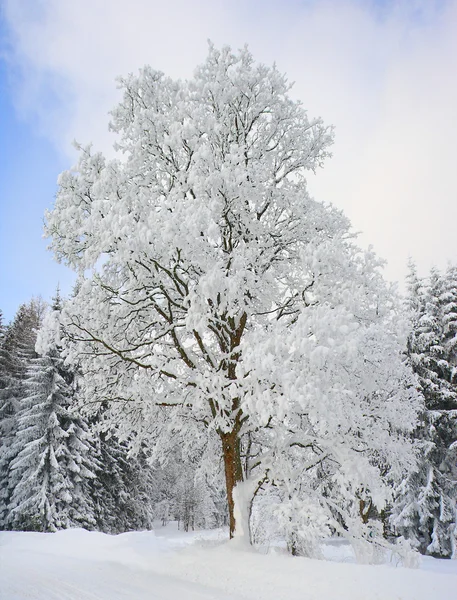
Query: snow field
x=172 y=565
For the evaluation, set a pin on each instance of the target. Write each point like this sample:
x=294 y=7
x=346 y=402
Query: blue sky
x=29 y=165
x=382 y=72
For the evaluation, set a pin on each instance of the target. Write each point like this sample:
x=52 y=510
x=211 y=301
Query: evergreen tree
x=4 y=410
x=54 y=472
x=16 y=351
x=425 y=511
x=4 y=360
x=2 y=334
x=123 y=491
x=449 y=303
x=119 y=492
x=432 y=361
x=51 y=470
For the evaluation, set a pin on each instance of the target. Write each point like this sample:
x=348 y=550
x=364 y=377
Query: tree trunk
x=364 y=510
x=233 y=471
x=231 y=444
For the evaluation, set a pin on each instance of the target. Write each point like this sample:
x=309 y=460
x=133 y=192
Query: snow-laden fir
x=424 y=509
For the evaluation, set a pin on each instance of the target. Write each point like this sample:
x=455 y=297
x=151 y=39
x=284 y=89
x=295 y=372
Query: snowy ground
x=171 y=565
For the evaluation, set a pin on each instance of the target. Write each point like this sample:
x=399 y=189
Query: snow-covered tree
x=4 y=416
x=189 y=488
x=115 y=486
x=2 y=328
x=16 y=352
x=4 y=358
x=123 y=490
x=51 y=473
x=218 y=298
x=431 y=356
x=449 y=304
x=425 y=510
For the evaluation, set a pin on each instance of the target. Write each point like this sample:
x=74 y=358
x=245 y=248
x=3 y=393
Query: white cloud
x=382 y=72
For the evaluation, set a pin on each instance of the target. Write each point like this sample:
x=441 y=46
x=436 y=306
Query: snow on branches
x=218 y=298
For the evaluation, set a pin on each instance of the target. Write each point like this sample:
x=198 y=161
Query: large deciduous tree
x=218 y=299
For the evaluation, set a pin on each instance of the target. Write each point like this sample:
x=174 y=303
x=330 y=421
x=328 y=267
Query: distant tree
x=123 y=491
x=3 y=358
x=449 y=303
x=218 y=298
x=190 y=491
x=2 y=328
x=5 y=409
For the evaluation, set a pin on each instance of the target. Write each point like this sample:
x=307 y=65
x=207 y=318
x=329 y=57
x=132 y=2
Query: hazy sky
x=383 y=72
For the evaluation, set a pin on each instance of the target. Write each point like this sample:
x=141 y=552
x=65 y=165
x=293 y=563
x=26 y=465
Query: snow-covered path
x=64 y=578
x=78 y=565
x=81 y=565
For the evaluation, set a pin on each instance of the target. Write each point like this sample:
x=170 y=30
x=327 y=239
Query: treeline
x=60 y=469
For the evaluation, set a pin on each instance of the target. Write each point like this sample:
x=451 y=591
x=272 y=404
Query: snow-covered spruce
x=51 y=473
x=123 y=491
x=218 y=298
x=425 y=507
x=17 y=349
x=68 y=473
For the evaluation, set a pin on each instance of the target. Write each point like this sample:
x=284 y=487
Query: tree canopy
x=220 y=304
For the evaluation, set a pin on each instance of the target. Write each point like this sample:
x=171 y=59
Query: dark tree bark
x=233 y=471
